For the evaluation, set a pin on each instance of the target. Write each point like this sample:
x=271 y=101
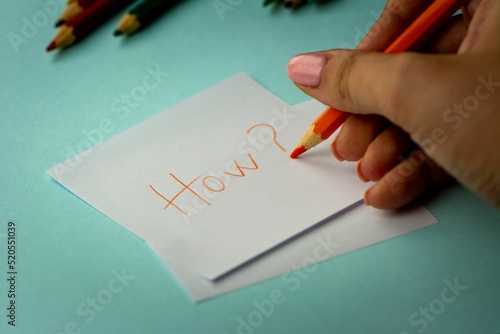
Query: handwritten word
x=211 y=183
x=209 y=186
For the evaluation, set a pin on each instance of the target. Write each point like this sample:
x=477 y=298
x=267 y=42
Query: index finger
x=396 y=16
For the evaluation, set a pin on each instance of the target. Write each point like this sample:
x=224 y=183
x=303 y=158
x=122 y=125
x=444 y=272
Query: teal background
x=67 y=251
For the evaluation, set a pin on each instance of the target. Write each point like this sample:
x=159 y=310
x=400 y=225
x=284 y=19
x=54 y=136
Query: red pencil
x=73 y=9
x=412 y=38
x=84 y=23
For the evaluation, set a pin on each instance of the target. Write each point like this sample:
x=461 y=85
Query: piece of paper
x=209 y=182
x=357 y=228
x=354 y=229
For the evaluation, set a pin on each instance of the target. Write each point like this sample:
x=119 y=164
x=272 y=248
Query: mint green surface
x=68 y=252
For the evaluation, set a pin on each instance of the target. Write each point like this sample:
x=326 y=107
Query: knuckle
x=342 y=79
x=395 y=95
x=387 y=152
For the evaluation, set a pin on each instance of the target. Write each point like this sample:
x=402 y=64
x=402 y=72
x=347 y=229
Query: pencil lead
x=118 y=33
x=51 y=46
x=59 y=23
x=298 y=151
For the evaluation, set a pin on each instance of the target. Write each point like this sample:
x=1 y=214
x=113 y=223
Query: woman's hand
x=417 y=118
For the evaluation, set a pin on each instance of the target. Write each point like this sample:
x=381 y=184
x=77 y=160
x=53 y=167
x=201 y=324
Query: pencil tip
x=59 y=23
x=298 y=151
x=118 y=33
x=51 y=46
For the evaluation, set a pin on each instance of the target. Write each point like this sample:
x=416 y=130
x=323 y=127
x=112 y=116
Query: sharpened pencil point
x=118 y=33
x=298 y=151
x=51 y=46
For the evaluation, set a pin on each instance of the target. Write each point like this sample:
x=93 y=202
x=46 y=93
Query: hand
x=447 y=103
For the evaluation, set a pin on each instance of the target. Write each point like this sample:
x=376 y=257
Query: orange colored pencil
x=412 y=38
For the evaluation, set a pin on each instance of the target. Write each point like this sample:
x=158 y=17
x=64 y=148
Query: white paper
x=239 y=213
x=354 y=229
x=357 y=228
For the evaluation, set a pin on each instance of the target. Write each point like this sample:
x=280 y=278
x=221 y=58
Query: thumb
x=391 y=85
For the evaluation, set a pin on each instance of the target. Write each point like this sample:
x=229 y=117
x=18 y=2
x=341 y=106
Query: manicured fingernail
x=360 y=173
x=366 y=196
x=306 y=69
x=336 y=154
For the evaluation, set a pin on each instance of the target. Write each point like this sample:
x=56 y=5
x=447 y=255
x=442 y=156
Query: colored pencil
x=412 y=39
x=73 y=9
x=142 y=14
x=77 y=28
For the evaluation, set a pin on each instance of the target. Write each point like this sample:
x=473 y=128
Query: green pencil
x=141 y=15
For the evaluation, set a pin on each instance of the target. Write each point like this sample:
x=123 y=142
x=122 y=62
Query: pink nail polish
x=306 y=69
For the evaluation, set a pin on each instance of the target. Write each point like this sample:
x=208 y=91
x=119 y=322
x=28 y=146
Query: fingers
x=369 y=82
x=406 y=182
x=355 y=136
x=334 y=77
x=384 y=153
x=394 y=19
x=482 y=34
x=398 y=15
x=471 y=7
x=449 y=37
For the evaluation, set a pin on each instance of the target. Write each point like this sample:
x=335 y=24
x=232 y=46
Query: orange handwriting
x=206 y=185
x=274 y=134
x=211 y=183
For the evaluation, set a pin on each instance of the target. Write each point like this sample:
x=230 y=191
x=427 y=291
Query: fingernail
x=365 y=197
x=336 y=154
x=306 y=69
x=360 y=173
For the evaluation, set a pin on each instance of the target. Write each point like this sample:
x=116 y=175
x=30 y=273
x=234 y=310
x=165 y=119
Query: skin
x=398 y=133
